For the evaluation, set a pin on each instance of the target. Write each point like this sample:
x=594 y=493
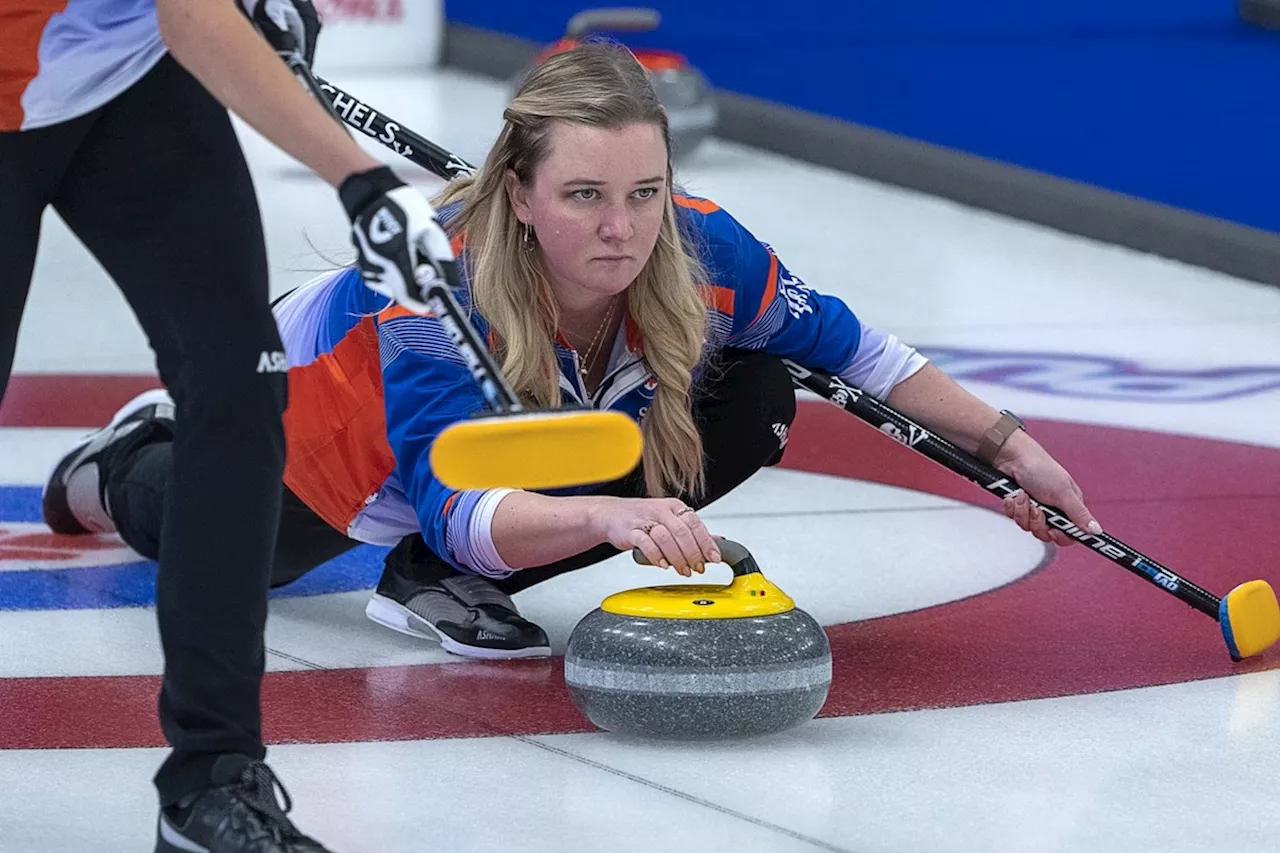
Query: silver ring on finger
x=647 y=526
x=687 y=509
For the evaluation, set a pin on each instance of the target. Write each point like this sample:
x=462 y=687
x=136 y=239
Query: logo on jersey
x=796 y=293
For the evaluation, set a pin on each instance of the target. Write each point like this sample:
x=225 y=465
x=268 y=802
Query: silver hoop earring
x=528 y=237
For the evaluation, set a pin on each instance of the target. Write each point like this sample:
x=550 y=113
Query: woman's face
x=596 y=205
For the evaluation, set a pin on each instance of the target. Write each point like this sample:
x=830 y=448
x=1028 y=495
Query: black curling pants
x=155 y=185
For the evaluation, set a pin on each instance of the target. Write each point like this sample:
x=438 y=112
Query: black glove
x=401 y=244
x=289 y=26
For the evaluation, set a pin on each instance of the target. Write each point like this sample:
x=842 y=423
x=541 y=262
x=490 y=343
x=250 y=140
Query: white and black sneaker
x=74 y=496
x=239 y=814
x=468 y=616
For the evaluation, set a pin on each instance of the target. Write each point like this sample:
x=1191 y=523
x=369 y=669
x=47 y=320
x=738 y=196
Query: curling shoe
x=467 y=614
x=74 y=496
x=239 y=814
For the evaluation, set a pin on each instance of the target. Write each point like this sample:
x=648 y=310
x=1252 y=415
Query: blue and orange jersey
x=61 y=59
x=372 y=385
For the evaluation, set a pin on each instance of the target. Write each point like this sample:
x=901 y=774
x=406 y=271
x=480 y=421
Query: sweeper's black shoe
x=240 y=814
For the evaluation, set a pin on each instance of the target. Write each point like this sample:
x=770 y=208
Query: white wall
x=379 y=34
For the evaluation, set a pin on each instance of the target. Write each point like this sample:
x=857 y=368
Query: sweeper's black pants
x=155 y=186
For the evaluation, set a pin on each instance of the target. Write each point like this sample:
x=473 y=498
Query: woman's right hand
x=666 y=530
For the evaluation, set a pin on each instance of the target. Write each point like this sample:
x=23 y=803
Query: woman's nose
x=616 y=224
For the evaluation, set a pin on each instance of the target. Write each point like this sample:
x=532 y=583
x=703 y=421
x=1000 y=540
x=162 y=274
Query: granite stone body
x=698 y=678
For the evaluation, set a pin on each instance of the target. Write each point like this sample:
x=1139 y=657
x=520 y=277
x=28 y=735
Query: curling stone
x=700 y=661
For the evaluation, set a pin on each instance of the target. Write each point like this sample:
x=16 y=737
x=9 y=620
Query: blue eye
x=645 y=193
x=581 y=194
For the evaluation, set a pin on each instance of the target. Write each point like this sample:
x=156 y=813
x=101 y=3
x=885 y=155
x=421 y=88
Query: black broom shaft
x=391 y=133
x=872 y=411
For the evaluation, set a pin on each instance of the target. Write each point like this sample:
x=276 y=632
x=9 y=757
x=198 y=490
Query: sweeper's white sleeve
x=881 y=362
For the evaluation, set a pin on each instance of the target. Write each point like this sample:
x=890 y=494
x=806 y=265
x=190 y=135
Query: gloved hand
x=289 y=26
x=401 y=244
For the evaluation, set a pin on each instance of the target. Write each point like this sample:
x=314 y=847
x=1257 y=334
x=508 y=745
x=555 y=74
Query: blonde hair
x=600 y=84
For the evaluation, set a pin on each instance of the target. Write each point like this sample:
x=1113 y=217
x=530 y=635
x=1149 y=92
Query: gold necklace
x=588 y=360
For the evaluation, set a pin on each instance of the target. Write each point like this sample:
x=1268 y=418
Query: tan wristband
x=994 y=438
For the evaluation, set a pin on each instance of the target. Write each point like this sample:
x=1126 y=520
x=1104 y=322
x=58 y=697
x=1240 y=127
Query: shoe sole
x=391 y=614
x=63 y=521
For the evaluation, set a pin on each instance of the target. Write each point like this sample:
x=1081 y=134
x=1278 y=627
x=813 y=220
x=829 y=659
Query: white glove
x=289 y=26
x=401 y=244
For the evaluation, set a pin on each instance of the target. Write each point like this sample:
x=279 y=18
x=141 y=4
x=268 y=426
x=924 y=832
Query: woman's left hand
x=1040 y=475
